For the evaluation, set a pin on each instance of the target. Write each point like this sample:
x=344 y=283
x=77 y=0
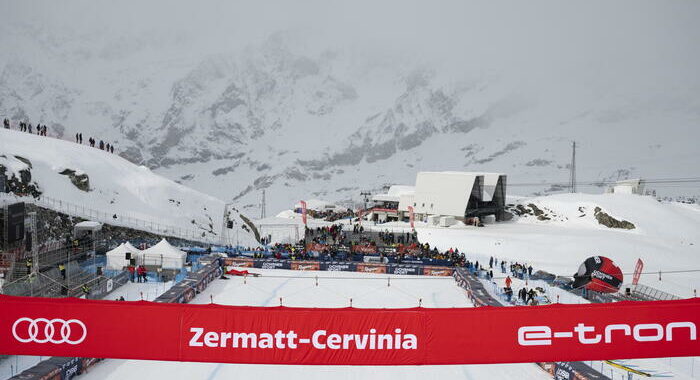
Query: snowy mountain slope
x=295 y=116
x=665 y=237
x=94 y=179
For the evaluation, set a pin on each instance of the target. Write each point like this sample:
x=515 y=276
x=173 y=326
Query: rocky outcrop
x=22 y=184
x=531 y=210
x=79 y=180
x=610 y=222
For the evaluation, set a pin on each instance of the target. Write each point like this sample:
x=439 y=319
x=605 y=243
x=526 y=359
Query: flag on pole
x=411 y=216
x=637 y=271
x=303 y=212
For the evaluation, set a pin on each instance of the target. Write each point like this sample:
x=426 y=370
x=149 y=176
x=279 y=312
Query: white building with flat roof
x=461 y=195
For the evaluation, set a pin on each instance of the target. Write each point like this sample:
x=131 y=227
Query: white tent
x=165 y=255
x=116 y=258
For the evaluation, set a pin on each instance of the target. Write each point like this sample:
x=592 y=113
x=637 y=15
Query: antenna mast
x=572 y=175
x=262 y=206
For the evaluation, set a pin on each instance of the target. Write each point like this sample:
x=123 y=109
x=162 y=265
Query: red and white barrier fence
x=347 y=336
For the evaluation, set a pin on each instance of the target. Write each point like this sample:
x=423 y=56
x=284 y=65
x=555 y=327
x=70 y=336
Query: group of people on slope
x=109 y=148
x=41 y=130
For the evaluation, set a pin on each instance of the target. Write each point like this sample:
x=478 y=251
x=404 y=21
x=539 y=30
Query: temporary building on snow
x=164 y=255
x=119 y=257
x=460 y=195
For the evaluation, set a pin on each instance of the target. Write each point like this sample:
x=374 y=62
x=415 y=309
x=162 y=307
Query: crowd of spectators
x=330 y=215
x=518 y=270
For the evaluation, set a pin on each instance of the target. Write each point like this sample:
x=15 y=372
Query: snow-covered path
x=335 y=290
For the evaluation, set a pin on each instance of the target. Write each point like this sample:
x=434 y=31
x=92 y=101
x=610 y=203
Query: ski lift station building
x=458 y=195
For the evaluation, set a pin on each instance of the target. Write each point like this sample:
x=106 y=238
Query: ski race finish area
x=347 y=336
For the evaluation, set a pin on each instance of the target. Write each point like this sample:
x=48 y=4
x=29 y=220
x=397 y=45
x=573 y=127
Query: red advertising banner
x=364 y=248
x=240 y=262
x=370 y=268
x=305 y=265
x=316 y=247
x=303 y=211
x=411 y=216
x=437 y=271
x=637 y=271
x=279 y=335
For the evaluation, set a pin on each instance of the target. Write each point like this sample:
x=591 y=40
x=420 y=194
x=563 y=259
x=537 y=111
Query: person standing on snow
x=132 y=271
x=531 y=296
x=508 y=281
x=139 y=273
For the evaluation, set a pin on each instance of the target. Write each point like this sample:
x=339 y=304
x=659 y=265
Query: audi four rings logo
x=55 y=331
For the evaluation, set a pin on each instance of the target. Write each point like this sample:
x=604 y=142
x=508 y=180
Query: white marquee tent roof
x=165 y=255
x=116 y=258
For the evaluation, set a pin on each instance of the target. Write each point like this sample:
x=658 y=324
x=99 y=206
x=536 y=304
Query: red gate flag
x=637 y=271
x=411 y=216
x=347 y=336
x=303 y=212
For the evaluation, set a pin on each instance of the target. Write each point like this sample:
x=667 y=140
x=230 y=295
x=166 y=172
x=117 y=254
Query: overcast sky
x=636 y=44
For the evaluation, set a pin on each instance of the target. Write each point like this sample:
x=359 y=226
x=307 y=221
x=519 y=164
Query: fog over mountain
x=325 y=99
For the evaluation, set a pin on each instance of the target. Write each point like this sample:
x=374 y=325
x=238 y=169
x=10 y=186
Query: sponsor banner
x=347 y=336
x=563 y=371
x=239 y=262
x=364 y=249
x=412 y=261
x=334 y=266
x=405 y=269
x=316 y=247
x=274 y=264
x=637 y=271
x=437 y=271
x=303 y=212
x=69 y=367
x=305 y=265
x=370 y=268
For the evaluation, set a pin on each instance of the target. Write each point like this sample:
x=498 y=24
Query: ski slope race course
x=335 y=289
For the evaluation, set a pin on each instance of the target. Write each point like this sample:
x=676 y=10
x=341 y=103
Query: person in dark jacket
x=508 y=291
x=531 y=296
